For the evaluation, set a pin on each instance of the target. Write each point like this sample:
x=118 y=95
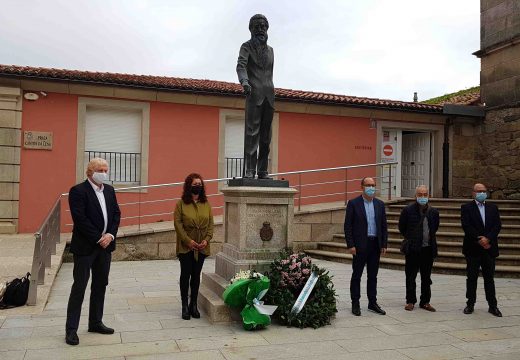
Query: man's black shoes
x=264 y=177
x=71 y=338
x=100 y=328
x=376 y=308
x=468 y=309
x=356 y=309
x=494 y=310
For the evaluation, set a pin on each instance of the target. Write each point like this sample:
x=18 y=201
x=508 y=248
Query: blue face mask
x=422 y=200
x=370 y=190
x=481 y=196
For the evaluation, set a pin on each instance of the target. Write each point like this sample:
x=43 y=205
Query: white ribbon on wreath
x=305 y=293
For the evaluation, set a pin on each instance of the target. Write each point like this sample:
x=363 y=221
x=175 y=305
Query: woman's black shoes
x=194 y=311
x=185 y=310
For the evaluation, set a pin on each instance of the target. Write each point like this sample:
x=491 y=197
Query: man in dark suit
x=481 y=224
x=96 y=215
x=367 y=237
x=255 y=73
x=418 y=223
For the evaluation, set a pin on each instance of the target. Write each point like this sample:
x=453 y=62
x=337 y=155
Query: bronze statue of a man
x=255 y=73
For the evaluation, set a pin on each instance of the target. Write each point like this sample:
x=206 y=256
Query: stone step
x=446 y=237
x=448 y=209
x=452 y=226
x=441 y=235
x=7 y=227
x=458 y=202
x=215 y=283
x=450 y=268
x=453 y=255
x=453 y=246
x=210 y=299
x=453 y=218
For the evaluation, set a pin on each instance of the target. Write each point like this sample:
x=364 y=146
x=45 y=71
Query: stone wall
x=488 y=152
x=499 y=21
x=156 y=242
x=10 y=142
x=497 y=161
x=150 y=243
x=500 y=52
x=497 y=139
x=500 y=76
x=463 y=149
x=310 y=227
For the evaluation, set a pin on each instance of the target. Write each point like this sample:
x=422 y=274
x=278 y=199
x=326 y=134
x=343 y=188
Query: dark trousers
x=257 y=135
x=370 y=258
x=422 y=262
x=99 y=263
x=487 y=264
x=190 y=274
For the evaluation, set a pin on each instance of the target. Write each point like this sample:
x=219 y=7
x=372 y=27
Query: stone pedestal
x=247 y=210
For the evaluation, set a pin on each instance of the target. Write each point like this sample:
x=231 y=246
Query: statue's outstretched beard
x=260 y=48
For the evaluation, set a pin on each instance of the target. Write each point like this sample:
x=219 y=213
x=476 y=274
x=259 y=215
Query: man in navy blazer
x=96 y=215
x=481 y=224
x=366 y=235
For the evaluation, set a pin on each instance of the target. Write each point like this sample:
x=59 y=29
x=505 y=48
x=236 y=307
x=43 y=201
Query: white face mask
x=100 y=177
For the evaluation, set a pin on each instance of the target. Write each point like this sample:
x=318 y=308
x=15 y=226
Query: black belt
x=372 y=238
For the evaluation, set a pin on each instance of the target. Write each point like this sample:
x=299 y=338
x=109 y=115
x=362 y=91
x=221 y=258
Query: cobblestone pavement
x=143 y=306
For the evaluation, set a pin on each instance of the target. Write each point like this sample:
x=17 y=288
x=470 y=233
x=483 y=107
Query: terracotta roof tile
x=207 y=87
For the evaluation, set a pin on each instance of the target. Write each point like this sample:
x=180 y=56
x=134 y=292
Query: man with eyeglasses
x=481 y=224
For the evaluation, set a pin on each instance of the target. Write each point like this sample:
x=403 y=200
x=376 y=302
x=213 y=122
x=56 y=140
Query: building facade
x=156 y=130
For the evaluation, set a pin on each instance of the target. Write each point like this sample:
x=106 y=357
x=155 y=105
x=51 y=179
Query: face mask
x=481 y=196
x=422 y=200
x=196 y=190
x=100 y=177
x=370 y=190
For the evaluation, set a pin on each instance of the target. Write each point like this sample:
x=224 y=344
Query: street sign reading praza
x=37 y=140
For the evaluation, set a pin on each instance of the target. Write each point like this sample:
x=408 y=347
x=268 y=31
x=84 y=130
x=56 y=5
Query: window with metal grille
x=115 y=135
x=234 y=147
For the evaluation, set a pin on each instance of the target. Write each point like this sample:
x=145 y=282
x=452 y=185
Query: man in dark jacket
x=96 y=215
x=418 y=224
x=366 y=235
x=255 y=73
x=481 y=224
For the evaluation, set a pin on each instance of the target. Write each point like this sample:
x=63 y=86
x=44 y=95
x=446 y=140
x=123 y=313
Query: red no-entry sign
x=388 y=150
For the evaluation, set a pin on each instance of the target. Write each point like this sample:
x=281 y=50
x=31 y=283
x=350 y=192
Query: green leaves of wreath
x=288 y=275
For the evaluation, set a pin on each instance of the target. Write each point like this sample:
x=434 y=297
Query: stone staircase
x=449 y=239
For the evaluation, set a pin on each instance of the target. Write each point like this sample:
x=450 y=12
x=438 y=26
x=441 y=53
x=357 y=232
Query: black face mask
x=196 y=190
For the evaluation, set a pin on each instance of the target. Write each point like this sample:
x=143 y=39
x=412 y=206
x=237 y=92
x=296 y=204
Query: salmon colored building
x=156 y=130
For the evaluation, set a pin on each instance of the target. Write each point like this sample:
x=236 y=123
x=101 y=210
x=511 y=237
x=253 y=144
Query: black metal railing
x=123 y=167
x=234 y=167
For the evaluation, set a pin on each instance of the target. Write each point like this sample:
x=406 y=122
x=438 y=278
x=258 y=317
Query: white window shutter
x=234 y=147
x=115 y=134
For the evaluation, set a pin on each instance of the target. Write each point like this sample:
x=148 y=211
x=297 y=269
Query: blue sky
x=372 y=48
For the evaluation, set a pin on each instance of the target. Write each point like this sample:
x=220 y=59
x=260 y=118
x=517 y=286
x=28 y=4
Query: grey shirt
x=426 y=233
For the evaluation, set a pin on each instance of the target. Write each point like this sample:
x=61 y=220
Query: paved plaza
x=143 y=305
